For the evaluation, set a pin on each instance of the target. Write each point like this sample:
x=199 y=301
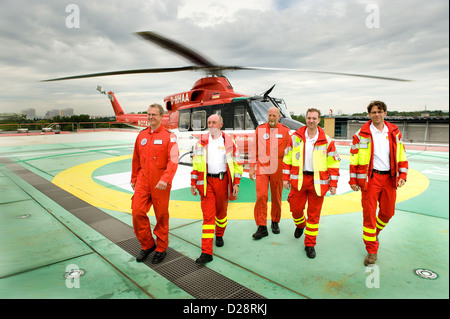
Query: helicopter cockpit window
x=184 y=121
x=242 y=120
x=261 y=109
x=199 y=120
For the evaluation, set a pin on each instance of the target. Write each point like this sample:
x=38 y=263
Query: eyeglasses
x=376 y=112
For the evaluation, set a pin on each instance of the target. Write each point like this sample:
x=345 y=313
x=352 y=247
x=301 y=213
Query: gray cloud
x=411 y=42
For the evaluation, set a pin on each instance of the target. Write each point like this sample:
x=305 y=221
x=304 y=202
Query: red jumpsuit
x=375 y=187
x=155 y=158
x=214 y=191
x=314 y=187
x=270 y=146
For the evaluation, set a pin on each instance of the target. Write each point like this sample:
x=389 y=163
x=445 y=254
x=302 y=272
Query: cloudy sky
x=402 y=39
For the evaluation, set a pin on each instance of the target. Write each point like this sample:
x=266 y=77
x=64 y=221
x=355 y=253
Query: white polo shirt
x=381 y=158
x=309 y=148
x=216 y=155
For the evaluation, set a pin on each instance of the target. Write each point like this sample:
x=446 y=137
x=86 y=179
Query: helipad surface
x=65 y=211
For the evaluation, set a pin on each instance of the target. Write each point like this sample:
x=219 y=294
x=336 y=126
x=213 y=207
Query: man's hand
x=133 y=185
x=252 y=173
x=235 y=190
x=401 y=182
x=161 y=185
x=286 y=184
x=333 y=190
x=193 y=192
x=355 y=187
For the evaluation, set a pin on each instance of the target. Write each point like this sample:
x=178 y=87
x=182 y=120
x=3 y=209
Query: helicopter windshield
x=261 y=107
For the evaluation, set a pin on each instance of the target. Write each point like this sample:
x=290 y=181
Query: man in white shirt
x=378 y=166
x=216 y=176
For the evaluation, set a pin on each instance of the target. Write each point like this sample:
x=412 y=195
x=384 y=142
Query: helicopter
x=187 y=112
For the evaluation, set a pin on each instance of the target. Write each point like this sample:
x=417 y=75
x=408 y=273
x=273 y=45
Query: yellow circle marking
x=78 y=181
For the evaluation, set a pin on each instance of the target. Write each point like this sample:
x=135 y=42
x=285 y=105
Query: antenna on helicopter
x=100 y=89
x=266 y=94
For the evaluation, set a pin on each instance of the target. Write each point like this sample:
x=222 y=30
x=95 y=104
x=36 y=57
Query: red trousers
x=142 y=201
x=214 y=207
x=262 y=183
x=379 y=190
x=297 y=202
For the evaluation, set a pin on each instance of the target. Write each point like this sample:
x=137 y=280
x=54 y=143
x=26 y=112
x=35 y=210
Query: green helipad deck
x=66 y=232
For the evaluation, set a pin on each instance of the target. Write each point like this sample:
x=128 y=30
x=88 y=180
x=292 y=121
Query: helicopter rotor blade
x=326 y=72
x=213 y=70
x=202 y=63
x=176 y=47
x=138 y=71
x=216 y=70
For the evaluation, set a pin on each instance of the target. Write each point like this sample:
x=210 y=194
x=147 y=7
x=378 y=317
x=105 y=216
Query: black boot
x=298 y=232
x=310 y=252
x=261 y=232
x=144 y=254
x=204 y=258
x=275 y=228
x=219 y=241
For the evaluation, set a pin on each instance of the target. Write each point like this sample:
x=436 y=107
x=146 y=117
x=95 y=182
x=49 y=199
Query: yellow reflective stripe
x=299 y=220
x=369 y=238
x=311 y=233
x=208 y=235
x=311 y=226
x=221 y=225
x=221 y=220
x=209 y=226
x=370 y=230
x=380 y=222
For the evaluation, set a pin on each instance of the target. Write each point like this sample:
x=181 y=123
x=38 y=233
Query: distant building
x=67 y=112
x=51 y=114
x=30 y=113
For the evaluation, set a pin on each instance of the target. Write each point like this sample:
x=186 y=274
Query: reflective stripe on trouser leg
x=297 y=203
x=380 y=190
x=315 y=203
x=387 y=200
x=207 y=239
x=214 y=207
x=221 y=224
x=311 y=232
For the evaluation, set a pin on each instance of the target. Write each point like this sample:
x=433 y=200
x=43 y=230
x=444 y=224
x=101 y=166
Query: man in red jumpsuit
x=271 y=140
x=155 y=161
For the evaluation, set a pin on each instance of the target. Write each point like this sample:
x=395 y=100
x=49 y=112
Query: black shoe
x=159 y=257
x=219 y=241
x=275 y=228
x=261 y=232
x=298 y=232
x=204 y=258
x=310 y=252
x=144 y=254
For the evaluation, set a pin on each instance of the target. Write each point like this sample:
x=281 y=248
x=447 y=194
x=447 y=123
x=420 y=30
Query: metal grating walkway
x=199 y=281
